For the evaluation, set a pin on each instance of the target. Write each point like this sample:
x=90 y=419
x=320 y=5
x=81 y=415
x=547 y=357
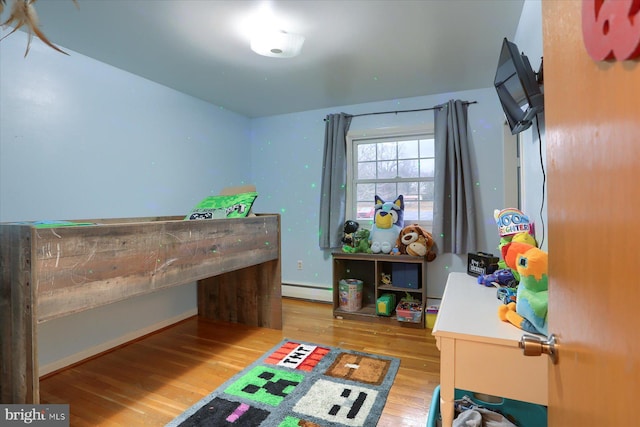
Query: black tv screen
x=518 y=88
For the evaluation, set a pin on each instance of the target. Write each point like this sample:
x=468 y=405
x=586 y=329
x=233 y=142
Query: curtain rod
x=404 y=111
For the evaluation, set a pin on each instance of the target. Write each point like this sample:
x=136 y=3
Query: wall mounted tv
x=518 y=88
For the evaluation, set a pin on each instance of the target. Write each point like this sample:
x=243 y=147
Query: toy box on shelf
x=481 y=263
x=406 y=275
x=350 y=294
x=385 y=304
x=410 y=310
x=433 y=306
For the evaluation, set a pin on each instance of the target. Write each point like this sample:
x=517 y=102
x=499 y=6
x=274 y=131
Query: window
x=387 y=165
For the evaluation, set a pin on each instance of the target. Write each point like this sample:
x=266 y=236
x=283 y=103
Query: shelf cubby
x=408 y=271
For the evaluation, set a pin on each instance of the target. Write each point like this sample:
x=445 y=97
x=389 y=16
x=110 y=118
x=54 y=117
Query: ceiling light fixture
x=277 y=44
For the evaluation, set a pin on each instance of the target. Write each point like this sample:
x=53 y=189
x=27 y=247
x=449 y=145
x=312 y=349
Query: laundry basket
x=523 y=414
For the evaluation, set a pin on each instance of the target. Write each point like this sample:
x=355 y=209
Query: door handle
x=536 y=346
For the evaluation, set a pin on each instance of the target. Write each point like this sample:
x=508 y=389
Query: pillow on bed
x=216 y=207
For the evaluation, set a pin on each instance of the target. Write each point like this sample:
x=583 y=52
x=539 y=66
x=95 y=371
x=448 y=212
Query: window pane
x=427 y=168
x=387 y=170
x=366 y=170
x=426 y=211
x=408 y=189
x=408 y=168
x=365 y=210
x=387 y=150
x=366 y=152
x=426 y=191
x=365 y=202
x=427 y=148
x=387 y=191
x=408 y=150
x=411 y=212
x=366 y=192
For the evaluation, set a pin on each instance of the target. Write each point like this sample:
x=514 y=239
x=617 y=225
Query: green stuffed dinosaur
x=360 y=243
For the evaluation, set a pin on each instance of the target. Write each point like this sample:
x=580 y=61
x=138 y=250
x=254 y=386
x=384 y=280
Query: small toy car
x=506 y=295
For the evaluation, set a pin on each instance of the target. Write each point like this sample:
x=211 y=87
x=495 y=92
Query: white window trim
x=375 y=134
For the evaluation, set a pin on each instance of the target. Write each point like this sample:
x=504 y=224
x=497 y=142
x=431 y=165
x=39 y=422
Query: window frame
x=377 y=134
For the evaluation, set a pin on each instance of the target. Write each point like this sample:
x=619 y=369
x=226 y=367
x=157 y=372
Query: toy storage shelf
x=369 y=269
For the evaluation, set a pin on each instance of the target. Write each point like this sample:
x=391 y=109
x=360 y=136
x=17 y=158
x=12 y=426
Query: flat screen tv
x=518 y=88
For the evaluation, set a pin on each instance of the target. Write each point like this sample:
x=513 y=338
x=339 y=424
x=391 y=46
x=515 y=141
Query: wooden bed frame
x=47 y=273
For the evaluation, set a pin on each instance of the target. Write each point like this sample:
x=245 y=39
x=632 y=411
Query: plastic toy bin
x=350 y=291
x=522 y=414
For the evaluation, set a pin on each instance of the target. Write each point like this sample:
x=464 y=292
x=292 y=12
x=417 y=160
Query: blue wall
x=529 y=40
x=288 y=150
x=81 y=139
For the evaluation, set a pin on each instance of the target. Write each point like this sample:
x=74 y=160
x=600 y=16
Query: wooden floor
x=151 y=381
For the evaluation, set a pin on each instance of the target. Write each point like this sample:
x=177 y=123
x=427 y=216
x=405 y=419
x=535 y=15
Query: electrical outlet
x=299 y=264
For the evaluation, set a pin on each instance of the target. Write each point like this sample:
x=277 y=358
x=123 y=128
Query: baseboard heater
x=308 y=292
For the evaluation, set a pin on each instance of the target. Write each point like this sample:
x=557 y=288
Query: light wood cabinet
x=369 y=269
x=478 y=351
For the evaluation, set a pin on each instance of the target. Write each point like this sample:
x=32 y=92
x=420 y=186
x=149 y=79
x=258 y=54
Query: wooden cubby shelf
x=369 y=269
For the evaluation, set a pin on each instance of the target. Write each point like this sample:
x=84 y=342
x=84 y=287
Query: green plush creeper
x=529 y=312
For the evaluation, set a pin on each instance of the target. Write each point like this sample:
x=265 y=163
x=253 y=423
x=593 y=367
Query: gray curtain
x=334 y=180
x=454 y=227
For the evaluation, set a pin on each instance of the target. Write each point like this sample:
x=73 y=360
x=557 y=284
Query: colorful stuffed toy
x=348 y=230
x=511 y=251
x=502 y=278
x=360 y=243
x=385 y=279
x=387 y=223
x=415 y=241
x=513 y=226
x=512 y=221
x=529 y=312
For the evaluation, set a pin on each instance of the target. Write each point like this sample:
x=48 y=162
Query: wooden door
x=592 y=118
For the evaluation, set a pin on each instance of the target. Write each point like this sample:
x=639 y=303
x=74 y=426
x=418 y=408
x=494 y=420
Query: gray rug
x=298 y=383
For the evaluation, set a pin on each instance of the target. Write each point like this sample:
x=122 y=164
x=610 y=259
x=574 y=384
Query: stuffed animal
x=502 y=278
x=388 y=220
x=511 y=251
x=385 y=279
x=415 y=241
x=513 y=226
x=529 y=312
x=512 y=221
x=360 y=243
x=349 y=228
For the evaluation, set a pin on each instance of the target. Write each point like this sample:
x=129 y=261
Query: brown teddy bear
x=415 y=241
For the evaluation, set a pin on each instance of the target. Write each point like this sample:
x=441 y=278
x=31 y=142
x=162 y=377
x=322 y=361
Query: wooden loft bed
x=48 y=273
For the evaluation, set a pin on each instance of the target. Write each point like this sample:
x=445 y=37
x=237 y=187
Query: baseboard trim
x=308 y=292
x=109 y=345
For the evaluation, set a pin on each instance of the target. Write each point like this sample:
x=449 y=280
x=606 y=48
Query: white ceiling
x=355 y=51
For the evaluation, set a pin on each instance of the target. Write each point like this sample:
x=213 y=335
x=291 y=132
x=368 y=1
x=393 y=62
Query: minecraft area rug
x=299 y=384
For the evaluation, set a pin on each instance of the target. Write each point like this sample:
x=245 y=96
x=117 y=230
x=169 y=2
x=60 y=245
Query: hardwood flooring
x=152 y=380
